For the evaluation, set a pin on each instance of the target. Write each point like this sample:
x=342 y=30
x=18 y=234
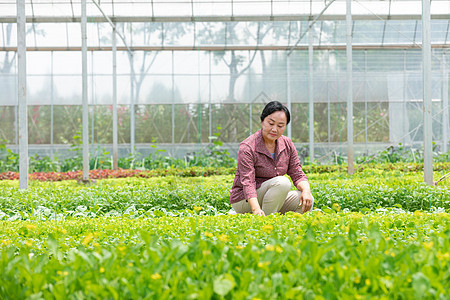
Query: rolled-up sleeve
x=295 y=169
x=246 y=171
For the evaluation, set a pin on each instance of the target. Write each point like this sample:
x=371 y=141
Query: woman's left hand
x=306 y=201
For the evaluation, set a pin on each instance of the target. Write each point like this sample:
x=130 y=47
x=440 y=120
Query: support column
x=173 y=98
x=115 y=119
x=311 y=94
x=52 y=83
x=427 y=108
x=445 y=116
x=365 y=104
x=210 y=94
x=84 y=93
x=289 y=105
x=328 y=102
x=405 y=126
x=249 y=95
x=132 y=109
x=22 y=94
x=350 y=150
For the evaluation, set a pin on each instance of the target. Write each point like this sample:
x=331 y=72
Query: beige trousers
x=274 y=195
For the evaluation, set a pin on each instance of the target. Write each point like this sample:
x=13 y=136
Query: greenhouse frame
x=140 y=75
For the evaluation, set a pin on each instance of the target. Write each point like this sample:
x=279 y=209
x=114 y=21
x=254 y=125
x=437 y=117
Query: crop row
x=147 y=197
x=394 y=224
x=310 y=256
x=210 y=171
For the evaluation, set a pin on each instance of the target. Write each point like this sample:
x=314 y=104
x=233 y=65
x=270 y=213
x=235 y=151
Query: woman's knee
x=282 y=181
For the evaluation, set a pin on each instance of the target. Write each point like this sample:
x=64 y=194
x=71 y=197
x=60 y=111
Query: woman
x=264 y=158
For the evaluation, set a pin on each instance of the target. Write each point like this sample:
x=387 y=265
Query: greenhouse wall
x=190 y=81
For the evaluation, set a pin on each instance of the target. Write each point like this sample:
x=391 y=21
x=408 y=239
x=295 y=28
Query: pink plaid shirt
x=256 y=165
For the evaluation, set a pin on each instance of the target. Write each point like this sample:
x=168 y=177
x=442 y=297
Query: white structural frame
x=311 y=94
x=426 y=46
x=350 y=150
x=22 y=95
x=445 y=116
x=427 y=107
x=85 y=113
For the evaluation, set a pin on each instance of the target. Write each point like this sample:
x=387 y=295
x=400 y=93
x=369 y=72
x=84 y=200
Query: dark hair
x=274 y=106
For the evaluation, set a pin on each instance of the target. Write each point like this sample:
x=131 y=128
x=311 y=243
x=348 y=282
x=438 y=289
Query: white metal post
x=289 y=105
x=427 y=108
x=22 y=94
x=132 y=108
x=173 y=98
x=115 y=131
x=366 y=136
x=445 y=116
x=311 y=95
x=210 y=94
x=85 y=118
x=52 y=83
x=350 y=150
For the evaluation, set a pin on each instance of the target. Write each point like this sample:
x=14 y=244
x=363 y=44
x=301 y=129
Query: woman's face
x=273 y=126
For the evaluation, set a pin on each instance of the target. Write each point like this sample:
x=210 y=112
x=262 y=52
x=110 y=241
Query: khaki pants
x=274 y=195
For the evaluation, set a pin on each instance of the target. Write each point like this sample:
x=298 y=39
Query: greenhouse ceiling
x=392 y=24
x=40 y=11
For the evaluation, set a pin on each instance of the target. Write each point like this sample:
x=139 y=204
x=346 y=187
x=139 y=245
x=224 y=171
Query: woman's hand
x=306 y=201
x=306 y=198
x=256 y=209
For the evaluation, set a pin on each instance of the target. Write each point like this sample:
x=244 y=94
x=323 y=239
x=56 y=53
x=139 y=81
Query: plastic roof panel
x=222 y=8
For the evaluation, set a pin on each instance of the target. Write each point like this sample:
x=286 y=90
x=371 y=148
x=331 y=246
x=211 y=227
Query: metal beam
x=445 y=116
x=132 y=115
x=115 y=119
x=350 y=150
x=311 y=95
x=189 y=19
x=289 y=104
x=22 y=95
x=85 y=114
x=427 y=107
x=230 y=47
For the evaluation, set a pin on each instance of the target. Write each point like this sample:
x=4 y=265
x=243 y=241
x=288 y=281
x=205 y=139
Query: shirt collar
x=261 y=146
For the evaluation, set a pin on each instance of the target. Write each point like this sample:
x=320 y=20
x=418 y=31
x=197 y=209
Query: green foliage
x=171 y=237
x=369 y=190
x=9 y=161
x=294 y=256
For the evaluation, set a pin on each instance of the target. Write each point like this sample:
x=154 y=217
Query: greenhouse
x=121 y=123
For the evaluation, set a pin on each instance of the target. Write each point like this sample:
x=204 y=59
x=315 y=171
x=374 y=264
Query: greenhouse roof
x=41 y=11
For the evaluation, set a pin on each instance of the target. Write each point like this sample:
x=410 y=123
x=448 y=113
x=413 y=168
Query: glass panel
x=67 y=90
x=67 y=62
x=154 y=89
x=100 y=124
x=66 y=124
x=39 y=90
x=152 y=62
x=38 y=63
x=154 y=123
x=39 y=124
x=400 y=32
x=299 y=122
x=102 y=88
x=8 y=95
x=7 y=124
x=192 y=123
x=233 y=120
x=8 y=34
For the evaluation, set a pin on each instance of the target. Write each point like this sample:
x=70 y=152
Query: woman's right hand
x=258 y=212
x=256 y=209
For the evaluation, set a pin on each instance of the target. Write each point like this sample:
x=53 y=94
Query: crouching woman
x=260 y=186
